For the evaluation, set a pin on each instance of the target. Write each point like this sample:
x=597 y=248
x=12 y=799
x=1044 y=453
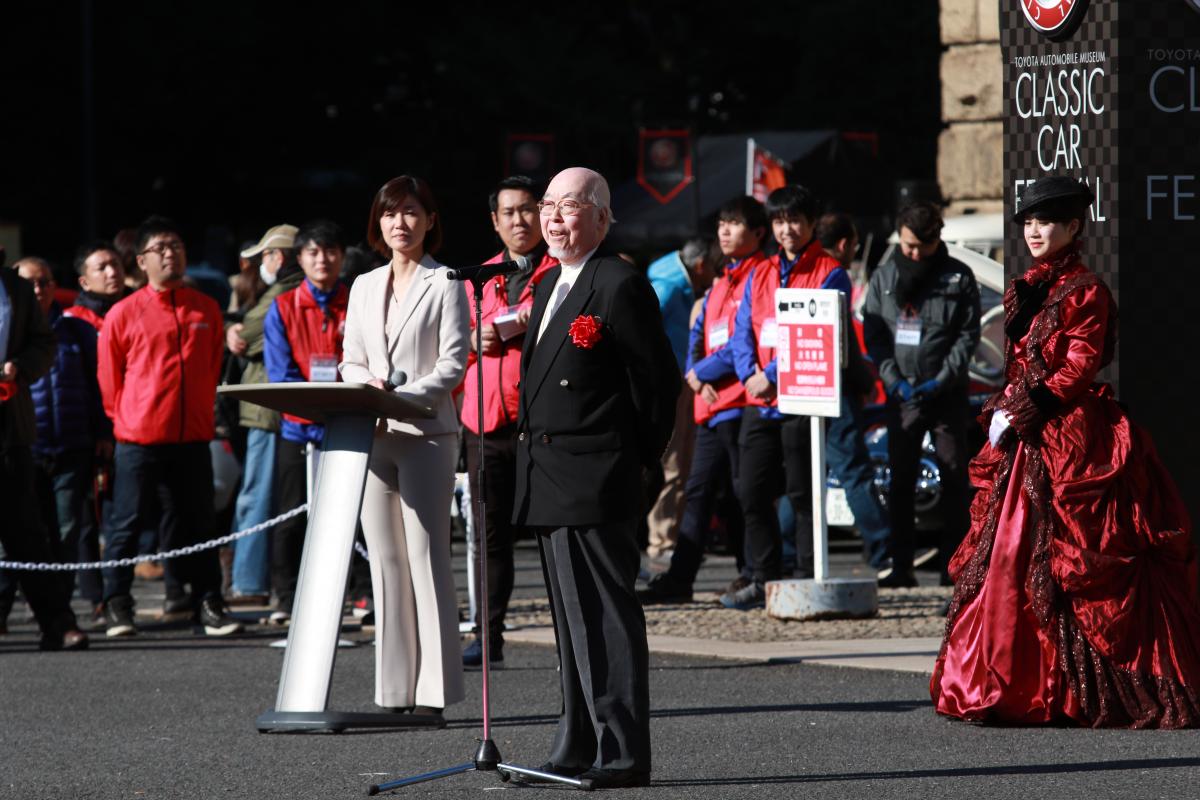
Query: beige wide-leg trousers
x=406 y=521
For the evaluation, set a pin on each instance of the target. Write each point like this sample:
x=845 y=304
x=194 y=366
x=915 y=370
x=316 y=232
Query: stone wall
x=970 y=149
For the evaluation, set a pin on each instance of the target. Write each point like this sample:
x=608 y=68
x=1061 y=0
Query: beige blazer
x=430 y=346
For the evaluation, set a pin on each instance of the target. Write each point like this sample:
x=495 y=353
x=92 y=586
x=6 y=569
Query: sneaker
x=752 y=595
x=118 y=617
x=214 y=619
x=662 y=588
x=176 y=609
x=899 y=579
x=473 y=655
x=737 y=584
x=360 y=607
x=923 y=557
x=885 y=569
x=280 y=617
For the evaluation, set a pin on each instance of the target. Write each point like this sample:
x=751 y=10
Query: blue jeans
x=847 y=458
x=251 y=555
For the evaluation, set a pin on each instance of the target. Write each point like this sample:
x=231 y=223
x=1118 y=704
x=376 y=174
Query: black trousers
x=776 y=457
x=24 y=536
x=180 y=477
x=715 y=465
x=500 y=460
x=287 y=538
x=945 y=419
x=603 y=657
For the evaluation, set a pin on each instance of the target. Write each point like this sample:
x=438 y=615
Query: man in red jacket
x=507 y=301
x=159 y=359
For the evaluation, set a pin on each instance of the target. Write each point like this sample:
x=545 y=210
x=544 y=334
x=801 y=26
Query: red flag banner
x=664 y=162
x=765 y=172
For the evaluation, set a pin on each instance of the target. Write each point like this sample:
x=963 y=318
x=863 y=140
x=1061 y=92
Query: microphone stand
x=487 y=755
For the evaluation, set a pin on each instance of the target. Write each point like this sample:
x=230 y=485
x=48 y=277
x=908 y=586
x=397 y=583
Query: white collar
x=574 y=268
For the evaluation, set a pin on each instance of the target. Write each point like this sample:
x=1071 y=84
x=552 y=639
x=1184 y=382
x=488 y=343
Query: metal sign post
x=810 y=354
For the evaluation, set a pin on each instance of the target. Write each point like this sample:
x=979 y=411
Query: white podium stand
x=349 y=412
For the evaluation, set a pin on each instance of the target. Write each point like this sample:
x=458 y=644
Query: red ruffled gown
x=1076 y=587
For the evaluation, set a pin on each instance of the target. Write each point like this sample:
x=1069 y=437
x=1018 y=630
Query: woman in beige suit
x=407 y=316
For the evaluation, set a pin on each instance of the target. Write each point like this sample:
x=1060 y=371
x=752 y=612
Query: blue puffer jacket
x=66 y=399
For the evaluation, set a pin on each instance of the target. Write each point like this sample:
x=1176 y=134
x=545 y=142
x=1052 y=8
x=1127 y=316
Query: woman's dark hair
x=923 y=219
x=832 y=228
x=95 y=246
x=389 y=198
x=744 y=209
x=1061 y=211
x=792 y=201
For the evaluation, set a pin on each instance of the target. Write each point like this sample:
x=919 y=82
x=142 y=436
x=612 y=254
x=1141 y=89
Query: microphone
x=484 y=272
x=397 y=378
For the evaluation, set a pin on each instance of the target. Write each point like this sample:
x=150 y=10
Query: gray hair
x=694 y=249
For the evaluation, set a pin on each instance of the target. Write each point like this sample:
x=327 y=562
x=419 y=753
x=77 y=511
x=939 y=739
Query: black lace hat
x=1050 y=189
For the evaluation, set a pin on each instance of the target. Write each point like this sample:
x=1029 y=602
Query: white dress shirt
x=562 y=287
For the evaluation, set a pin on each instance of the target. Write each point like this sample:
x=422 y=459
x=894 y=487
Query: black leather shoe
x=553 y=769
x=615 y=778
x=899 y=579
x=69 y=640
x=662 y=588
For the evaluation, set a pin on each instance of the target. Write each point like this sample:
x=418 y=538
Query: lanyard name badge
x=323 y=369
x=718 y=334
x=768 y=335
x=908 y=328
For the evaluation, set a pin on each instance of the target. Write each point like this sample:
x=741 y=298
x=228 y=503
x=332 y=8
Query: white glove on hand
x=1000 y=424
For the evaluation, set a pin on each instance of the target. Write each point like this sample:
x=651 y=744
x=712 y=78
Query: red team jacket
x=158 y=363
x=501 y=372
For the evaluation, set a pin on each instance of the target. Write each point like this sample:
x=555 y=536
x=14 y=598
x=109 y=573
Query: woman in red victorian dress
x=1075 y=590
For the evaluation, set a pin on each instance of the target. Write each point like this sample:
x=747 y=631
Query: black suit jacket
x=590 y=419
x=31 y=347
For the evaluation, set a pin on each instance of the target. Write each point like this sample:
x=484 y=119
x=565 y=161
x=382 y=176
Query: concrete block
x=959 y=21
x=971 y=160
x=972 y=83
x=834 y=598
x=974 y=206
x=989 y=20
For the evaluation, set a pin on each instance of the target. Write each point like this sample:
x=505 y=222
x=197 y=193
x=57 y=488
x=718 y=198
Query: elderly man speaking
x=598 y=389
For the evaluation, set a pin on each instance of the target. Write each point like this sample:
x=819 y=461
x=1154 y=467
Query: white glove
x=999 y=425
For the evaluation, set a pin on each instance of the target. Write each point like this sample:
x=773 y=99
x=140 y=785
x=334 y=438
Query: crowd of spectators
x=109 y=410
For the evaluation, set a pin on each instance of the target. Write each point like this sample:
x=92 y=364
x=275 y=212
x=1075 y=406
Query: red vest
x=502 y=371
x=310 y=330
x=810 y=272
x=720 y=314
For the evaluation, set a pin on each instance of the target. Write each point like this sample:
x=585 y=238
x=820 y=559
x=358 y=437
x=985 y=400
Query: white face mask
x=268 y=277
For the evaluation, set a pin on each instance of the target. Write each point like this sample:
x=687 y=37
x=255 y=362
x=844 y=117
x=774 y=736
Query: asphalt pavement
x=170 y=714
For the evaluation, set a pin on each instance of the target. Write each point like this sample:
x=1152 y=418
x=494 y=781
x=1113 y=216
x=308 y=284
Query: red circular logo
x=1055 y=19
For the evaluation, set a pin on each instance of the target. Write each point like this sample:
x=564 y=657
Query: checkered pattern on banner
x=1098 y=149
x=1160 y=296
x=1148 y=257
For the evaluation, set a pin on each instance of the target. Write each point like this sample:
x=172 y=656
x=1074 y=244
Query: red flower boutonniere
x=585 y=331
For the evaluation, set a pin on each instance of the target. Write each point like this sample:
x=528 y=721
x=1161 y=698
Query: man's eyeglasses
x=161 y=248
x=42 y=283
x=568 y=208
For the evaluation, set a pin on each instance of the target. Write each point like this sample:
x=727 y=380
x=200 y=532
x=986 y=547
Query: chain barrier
x=181 y=551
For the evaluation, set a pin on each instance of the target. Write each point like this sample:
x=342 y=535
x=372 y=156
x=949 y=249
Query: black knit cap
x=1051 y=189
